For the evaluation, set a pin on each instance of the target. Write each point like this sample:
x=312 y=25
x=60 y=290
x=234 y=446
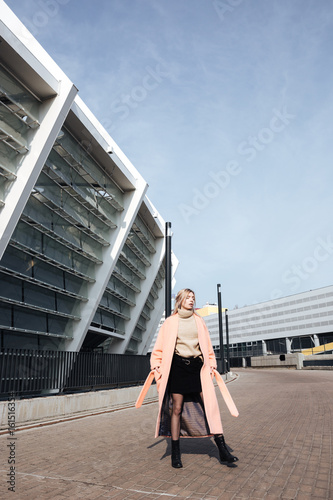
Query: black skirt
x=184 y=375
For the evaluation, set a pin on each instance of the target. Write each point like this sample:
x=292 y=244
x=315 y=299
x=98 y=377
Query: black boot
x=175 y=454
x=225 y=455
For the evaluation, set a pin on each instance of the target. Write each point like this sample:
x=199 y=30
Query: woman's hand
x=157 y=369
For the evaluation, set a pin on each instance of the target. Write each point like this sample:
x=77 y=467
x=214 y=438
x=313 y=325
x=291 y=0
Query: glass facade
x=144 y=318
x=19 y=111
x=71 y=223
x=60 y=235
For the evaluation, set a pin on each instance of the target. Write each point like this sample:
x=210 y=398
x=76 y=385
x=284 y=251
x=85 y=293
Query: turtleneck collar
x=184 y=313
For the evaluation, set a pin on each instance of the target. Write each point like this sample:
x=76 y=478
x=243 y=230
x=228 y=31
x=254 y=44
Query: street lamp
x=168 y=273
x=227 y=338
x=219 y=302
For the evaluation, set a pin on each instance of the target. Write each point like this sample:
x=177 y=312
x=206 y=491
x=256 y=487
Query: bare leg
x=177 y=405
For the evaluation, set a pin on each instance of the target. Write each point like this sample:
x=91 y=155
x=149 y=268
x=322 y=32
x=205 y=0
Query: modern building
x=81 y=245
x=284 y=325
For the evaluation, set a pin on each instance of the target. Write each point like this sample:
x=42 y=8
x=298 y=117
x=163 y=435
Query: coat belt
x=144 y=389
x=220 y=382
x=226 y=394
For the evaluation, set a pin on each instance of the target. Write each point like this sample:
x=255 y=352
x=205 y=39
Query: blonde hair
x=180 y=297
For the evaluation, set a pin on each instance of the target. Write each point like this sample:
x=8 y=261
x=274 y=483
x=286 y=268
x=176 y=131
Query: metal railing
x=29 y=372
x=318 y=362
x=240 y=351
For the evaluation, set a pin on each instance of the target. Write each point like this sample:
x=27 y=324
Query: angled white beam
x=53 y=115
x=158 y=311
x=160 y=302
x=141 y=298
x=132 y=202
x=125 y=174
x=153 y=322
x=152 y=218
x=26 y=55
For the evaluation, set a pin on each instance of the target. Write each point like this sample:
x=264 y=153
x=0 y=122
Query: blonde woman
x=183 y=361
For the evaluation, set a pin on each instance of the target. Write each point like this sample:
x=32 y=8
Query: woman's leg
x=177 y=406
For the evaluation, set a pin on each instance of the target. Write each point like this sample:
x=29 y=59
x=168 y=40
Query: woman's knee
x=177 y=405
x=176 y=409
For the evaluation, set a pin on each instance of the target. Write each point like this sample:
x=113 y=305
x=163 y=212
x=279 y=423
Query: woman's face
x=188 y=302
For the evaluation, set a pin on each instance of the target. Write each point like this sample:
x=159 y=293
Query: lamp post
x=227 y=338
x=219 y=302
x=168 y=274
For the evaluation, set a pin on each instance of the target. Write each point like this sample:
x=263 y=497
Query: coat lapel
x=202 y=340
x=170 y=342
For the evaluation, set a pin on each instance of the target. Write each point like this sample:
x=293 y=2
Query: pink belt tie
x=220 y=382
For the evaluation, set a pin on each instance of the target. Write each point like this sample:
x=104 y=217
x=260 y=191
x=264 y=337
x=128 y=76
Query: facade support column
x=264 y=348
x=120 y=347
x=132 y=202
x=288 y=345
x=157 y=313
x=316 y=340
x=151 y=324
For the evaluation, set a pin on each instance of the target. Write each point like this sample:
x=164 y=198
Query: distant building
x=283 y=325
x=207 y=310
x=81 y=245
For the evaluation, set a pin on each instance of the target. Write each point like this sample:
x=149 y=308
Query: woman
x=183 y=361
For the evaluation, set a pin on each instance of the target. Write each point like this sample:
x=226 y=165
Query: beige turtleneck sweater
x=187 y=343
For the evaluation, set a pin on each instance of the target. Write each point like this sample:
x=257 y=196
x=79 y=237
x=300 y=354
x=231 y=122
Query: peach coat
x=162 y=356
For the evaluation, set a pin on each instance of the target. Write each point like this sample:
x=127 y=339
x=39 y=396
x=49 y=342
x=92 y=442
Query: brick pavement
x=283 y=438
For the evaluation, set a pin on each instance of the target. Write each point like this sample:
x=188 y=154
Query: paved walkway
x=283 y=438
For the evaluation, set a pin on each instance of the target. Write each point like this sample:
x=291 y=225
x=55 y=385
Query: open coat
x=162 y=356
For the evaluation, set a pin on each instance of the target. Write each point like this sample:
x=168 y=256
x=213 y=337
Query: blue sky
x=225 y=107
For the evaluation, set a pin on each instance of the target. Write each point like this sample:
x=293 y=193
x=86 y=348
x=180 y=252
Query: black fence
x=244 y=362
x=241 y=351
x=27 y=372
x=235 y=362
